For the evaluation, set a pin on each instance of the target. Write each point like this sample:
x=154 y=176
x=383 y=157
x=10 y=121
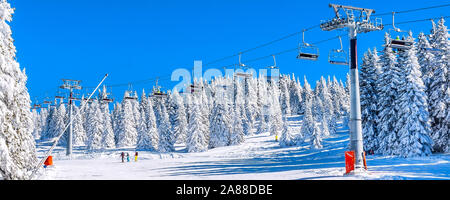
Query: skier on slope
x=135 y=156
x=128 y=157
x=123 y=156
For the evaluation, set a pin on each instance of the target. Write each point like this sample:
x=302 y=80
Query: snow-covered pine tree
x=310 y=129
x=177 y=116
x=439 y=98
x=147 y=131
x=337 y=98
x=284 y=96
x=220 y=122
x=206 y=112
x=286 y=138
x=295 y=91
x=275 y=111
x=59 y=123
x=166 y=139
x=196 y=140
x=370 y=69
x=426 y=60
x=250 y=106
x=326 y=109
x=263 y=105
x=126 y=128
x=95 y=126
x=237 y=130
x=17 y=146
x=115 y=120
x=319 y=114
x=387 y=84
x=413 y=119
x=240 y=110
x=79 y=133
x=108 y=140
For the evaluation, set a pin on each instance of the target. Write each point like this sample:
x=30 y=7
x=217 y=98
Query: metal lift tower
x=70 y=85
x=354 y=24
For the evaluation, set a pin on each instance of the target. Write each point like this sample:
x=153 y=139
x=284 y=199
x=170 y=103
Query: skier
x=128 y=157
x=135 y=156
x=123 y=156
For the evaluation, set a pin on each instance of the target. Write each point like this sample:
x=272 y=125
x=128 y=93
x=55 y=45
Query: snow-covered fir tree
x=284 y=96
x=286 y=138
x=147 y=130
x=58 y=124
x=427 y=60
x=17 y=145
x=95 y=126
x=263 y=105
x=108 y=140
x=166 y=139
x=370 y=70
x=177 y=116
x=237 y=130
x=79 y=133
x=196 y=140
x=220 y=123
x=126 y=127
x=388 y=93
x=295 y=91
x=275 y=111
x=439 y=89
x=412 y=122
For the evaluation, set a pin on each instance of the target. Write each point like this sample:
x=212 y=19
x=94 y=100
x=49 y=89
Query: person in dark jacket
x=123 y=156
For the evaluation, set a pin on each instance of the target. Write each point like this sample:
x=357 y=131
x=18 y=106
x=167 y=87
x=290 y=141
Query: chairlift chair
x=130 y=96
x=243 y=67
x=338 y=56
x=307 y=51
x=156 y=92
x=400 y=44
x=274 y=66
x=195 y=88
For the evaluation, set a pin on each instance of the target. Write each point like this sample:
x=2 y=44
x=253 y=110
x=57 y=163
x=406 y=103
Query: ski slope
x=259 y=157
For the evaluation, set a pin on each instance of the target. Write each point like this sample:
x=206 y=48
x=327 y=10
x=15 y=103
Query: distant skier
x=135 y=156
x=123 y=156
x=128 y=157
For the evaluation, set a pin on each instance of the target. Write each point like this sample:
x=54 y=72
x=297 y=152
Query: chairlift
x=36 y=106
x=307 y=51
x=338 y=56
x=195 y=88
x=131 y=95
x=156 y=92
x=243 y=67
x=104 y=96
x=274 y=66
x=400 y=44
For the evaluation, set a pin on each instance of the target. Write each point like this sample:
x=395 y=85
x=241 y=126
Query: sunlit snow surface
x=260 y=157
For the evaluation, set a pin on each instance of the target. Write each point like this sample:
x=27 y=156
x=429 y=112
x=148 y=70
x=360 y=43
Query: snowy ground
x=260 y=157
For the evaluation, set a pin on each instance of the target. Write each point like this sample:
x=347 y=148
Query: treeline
x=405 y=96
x=219 y=113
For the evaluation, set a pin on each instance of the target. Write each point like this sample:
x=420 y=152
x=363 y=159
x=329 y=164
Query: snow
x=258 y=157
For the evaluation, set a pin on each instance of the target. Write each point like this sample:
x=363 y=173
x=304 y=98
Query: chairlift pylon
x=307 y=51
x=338 y=56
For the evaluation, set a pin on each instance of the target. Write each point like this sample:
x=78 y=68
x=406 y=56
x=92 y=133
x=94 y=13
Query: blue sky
x=141 y=39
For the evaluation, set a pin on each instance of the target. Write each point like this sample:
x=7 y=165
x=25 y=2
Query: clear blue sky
x=140 y=39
